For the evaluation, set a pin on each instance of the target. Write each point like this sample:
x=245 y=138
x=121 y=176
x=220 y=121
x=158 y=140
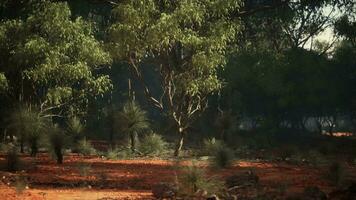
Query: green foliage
x=193 y=178
x=84 y=147
x=187 y=42
x=223 y=157
x=49 y=49
x=119 y=153
x=29 y=125
x=20 y=184
x=3 y=83
x=211 y=146
x=153 y=144
x=75 y=130
x=84 y=168
x=12 y=158
x=132 y=120
x=57 y=141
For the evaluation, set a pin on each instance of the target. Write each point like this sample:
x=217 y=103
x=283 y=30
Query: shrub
x=132 y=120
x=75 y=131
x=84 y=168
x=153 y=144
x=222 y=158
x=84 y=147
x=119 y=153
x=29 y=125
x=12 y=158
x=193 y=179
x=20 y=184
x=57 y=142
x=210 y=146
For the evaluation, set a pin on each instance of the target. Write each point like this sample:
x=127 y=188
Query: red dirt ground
x=133 y=179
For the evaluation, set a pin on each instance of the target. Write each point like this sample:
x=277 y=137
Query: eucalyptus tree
x=185 y=42
x=52 y=60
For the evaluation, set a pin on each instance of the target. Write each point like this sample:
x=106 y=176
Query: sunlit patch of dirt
x=133 y=179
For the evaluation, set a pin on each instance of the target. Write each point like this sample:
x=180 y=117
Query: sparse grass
x=20 y=185
x=193 y=179
x=211 y=145
x=153 y=145
x=84 y=168
x=12 y=158
x=223 y=157
x=119 y=153
x=85 y=148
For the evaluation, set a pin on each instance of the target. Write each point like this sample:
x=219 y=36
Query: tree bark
x=34 y=148
x=180 y=142
x=133 y=142
x=59 y=155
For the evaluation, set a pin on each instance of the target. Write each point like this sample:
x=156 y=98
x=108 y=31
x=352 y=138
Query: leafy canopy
x=55 y=57
x=185 y=42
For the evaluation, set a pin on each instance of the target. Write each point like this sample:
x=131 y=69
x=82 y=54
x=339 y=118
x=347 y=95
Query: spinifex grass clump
x=132 y=120
x=210 y=146
x=57 y=142
x=12 y=158
x=193 y=179
x=29 y=125
x=223 y=157
x=85 y=148
x=153 y=144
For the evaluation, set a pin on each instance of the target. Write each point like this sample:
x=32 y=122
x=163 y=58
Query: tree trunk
x=21 y=146
x=180 y=142
x=59 y=155
x=133 y=142
x=34 y=148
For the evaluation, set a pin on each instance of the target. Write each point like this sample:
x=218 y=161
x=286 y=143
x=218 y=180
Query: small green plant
x=211 y=145
x=119 y=153
x=75 y=131
x=132 y=120
x=29 y=125
x=84 y=168
x=85 y=148
x=57 y=142
x=12 y=158
x=193 y=179
x=222 y=157
x=20 y=185
x=153 y=144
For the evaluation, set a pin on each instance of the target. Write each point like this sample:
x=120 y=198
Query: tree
x=29 y=125
x=131 y=121
x=185 y=42
x=51 y=60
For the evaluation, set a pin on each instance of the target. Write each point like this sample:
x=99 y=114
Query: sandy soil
x=95 y=178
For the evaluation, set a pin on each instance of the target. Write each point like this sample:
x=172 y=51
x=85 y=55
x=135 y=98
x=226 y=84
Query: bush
x=57 y=142
x=210 y=146
x=153 y=144
x=119 y=153
x=29 y=125
x=84 y=168
x=193 y=179
x=222 y=158
x=12 y=158
x=85 y=148
x=75 y=130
